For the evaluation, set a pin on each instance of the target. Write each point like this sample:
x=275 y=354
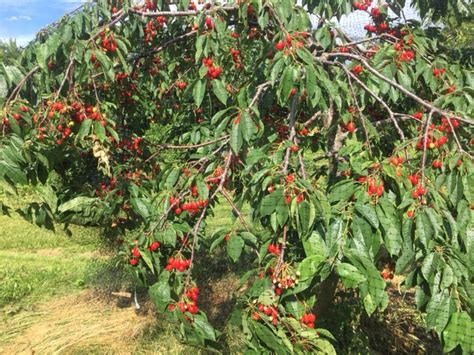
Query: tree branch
x=399 y=87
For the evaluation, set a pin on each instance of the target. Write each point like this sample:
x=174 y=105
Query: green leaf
x=268 y=337
x=77 y=204
x=438 y=311
x=203 y=327
x=236 y=138
x=99 y=131
x=3 y=87
x=199 y=90
x=270 y=202
x=368 y=212
x=140 y=207
x=84 y=130
x=235 y=245
x=160 y=292
x=351 y=276
x=309 y=266
x=424 y=230
x=286 y=83
x=307 y=214
x=41 y=52
x=459 y=332
x=247 y=126
x=219 y=90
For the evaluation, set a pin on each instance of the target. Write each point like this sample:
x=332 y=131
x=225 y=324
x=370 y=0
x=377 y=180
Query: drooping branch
x=371 y=93
x=399 y=87
x=165 y=45
x=16 y=91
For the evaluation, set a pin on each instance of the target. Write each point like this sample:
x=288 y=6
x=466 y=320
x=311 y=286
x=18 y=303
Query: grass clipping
x=74 y=324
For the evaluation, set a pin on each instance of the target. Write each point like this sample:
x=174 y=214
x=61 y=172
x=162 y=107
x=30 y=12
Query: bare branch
x=312 y=119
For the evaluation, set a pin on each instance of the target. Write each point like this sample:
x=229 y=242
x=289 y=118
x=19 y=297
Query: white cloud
x=19 y=18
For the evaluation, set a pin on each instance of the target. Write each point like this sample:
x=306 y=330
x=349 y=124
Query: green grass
x=36 y=264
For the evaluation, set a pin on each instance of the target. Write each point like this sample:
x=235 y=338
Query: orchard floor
x=64 y=294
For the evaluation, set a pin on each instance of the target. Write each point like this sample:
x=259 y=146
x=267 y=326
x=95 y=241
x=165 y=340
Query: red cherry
x=280 y=46
x=136 y=252
x=437 y=164
x=133 y=262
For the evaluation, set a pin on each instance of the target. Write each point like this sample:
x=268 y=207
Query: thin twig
x=425 y=141
x=361 y=114
x=291 y=119
x=236 y=210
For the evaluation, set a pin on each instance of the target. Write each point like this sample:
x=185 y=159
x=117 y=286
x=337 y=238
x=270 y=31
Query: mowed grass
x=36 y=264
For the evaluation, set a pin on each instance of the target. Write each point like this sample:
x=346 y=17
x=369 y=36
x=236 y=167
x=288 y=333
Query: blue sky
x=21 y=19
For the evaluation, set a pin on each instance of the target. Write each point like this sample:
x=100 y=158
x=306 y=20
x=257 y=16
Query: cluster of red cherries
x=213 y=71
x=178 y=263
x=269 y=311
x=308 y=319
x=189 y=302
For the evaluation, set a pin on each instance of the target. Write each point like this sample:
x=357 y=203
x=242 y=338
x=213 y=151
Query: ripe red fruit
x=270 y=189
x=442 y=140
x=414 y=179
x=294 y=148
x=280 y=46
x=418 y=115
x=438 y=72
x=154 y=246
x=133 y=262
x=290 y=178
x=406 y=56
x=357 y=69
x=178 y=211
x=293 y=91
x=209 y=23
x=410 y=214
x=350 y=127
x=437 y=164
x=274 y=249
x=136 y=252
